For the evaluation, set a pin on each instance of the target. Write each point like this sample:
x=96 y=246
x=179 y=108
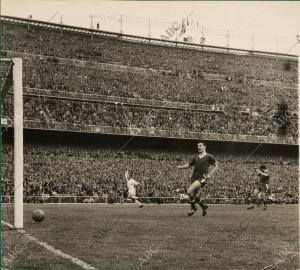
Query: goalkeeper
x=201 y=173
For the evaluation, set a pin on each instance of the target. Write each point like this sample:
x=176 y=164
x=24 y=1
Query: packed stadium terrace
x=195 y=89
x=93 y=171
x=4 y=71
x=48 y=110
x=181 y=78
x=67 y=44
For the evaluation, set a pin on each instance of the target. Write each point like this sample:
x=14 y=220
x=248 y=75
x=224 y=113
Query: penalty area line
x=51 y=249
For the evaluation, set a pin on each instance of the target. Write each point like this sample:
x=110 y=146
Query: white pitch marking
x=277 y=263
x=57 y=252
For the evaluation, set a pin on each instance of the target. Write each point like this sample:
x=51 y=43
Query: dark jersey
x=201 y=165
x=263 y=179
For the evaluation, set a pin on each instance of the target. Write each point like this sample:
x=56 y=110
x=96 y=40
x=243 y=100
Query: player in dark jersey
x=260 y=192
x=201 y=164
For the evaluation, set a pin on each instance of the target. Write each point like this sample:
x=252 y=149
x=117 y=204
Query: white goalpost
x=18 y=143
x=13 y=80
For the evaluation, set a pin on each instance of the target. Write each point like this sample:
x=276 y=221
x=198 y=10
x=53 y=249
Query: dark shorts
x=262 y=187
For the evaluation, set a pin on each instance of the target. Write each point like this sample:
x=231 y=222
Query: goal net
x=12 y=129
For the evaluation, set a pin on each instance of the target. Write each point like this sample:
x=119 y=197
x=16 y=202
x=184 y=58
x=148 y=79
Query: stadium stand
x=117 y=115
x=194 y=89
x=96 y=170
x=42 y=40
x=64 y=61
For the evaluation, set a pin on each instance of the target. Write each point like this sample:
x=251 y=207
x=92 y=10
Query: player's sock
x=193 y=203
x=192 y=198
x=204 y=207
x=265 y=204
x=193 y=209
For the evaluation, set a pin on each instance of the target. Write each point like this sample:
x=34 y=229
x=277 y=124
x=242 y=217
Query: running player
x=201 y=174
x=260 y=192
x=131 y=183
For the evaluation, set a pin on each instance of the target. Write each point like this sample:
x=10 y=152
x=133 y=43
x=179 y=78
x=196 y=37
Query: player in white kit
x=131 y=183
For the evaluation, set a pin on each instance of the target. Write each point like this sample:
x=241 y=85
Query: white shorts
x=132 y=194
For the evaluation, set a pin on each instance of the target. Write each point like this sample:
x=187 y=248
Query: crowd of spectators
x=67 y=44
x=79 y=171
x=4 y=70
x=55 y=76
x=55 y=170
x=120 y=115
x=6 y=76
x=185 y=82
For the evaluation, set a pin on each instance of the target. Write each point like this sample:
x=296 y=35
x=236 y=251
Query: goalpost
x=15 y=75
x=18 y=142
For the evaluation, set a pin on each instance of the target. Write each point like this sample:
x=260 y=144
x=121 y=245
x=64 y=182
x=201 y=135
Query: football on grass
x=38 y=215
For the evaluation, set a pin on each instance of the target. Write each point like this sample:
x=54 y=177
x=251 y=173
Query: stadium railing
x=150 y=132
x=151 y=200
x=154 y=132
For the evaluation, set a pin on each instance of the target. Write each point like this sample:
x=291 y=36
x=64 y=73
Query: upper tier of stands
x=27 y=37
x=179 y=74
x=50 y=75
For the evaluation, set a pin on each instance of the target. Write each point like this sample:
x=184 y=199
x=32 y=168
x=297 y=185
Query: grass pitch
x=156 y=237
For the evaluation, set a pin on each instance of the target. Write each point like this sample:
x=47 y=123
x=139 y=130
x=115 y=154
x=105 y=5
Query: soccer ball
x=38 y=215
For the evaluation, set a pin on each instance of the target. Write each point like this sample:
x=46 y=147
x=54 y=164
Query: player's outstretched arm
x=183 y=166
